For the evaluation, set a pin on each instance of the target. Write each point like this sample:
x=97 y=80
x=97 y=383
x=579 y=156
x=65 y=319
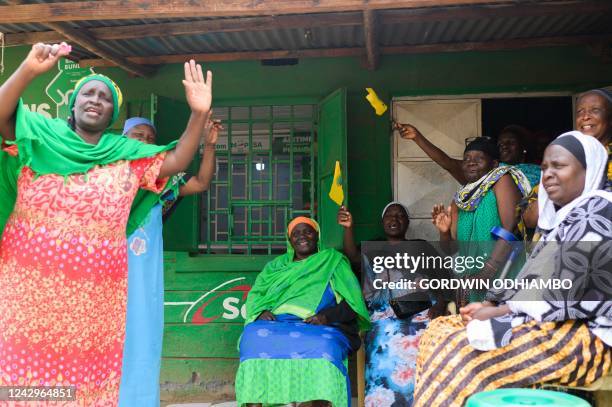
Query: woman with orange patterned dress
x=68 y=189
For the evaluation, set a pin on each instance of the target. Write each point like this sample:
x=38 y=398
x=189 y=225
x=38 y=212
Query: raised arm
x=201 y=182
x=40 y=59
x=345 y=219
x=452 y=165
x=198 y=93
x=444 y=221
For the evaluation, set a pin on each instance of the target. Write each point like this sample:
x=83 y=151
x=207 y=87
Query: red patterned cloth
x=63 y=279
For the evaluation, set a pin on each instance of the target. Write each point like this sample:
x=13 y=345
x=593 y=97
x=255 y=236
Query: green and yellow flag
x=336 y=193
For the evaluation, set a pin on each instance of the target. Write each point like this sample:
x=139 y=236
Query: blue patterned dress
x=391 y=348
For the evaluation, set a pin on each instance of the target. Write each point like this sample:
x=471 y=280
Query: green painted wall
x=199 y=359
x=540 y=69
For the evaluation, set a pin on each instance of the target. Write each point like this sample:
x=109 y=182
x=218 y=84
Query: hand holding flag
x=336 y=193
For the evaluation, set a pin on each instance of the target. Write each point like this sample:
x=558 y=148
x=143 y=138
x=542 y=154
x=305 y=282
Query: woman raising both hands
x=68 y=187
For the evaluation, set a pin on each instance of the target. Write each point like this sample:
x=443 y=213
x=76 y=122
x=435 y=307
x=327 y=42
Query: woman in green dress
x=488 y=200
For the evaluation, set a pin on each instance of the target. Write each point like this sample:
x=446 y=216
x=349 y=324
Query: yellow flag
x=379 y=106
x=336 y=193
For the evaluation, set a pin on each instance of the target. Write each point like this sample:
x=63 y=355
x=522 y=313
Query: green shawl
x=50 y=146
x=296 y=287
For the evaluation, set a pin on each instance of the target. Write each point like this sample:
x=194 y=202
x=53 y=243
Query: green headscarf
x=50 y=146
x=115 y=91
x=286 y=286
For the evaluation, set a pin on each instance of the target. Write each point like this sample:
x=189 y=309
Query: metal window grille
x=265 y=177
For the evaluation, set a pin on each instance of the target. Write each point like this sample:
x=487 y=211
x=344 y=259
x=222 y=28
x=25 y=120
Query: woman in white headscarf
x=493 y=344
x=392 y=342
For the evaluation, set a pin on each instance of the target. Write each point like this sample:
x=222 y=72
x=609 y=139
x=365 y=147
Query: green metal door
x=331 y=148
x=181 y=230
x=265 y=176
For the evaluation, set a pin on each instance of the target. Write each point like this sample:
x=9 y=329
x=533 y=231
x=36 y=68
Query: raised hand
x=211 y=131
x=43 y=57
x=198 y=91
x=406 y=131
x=344 y=217
x=441 y=218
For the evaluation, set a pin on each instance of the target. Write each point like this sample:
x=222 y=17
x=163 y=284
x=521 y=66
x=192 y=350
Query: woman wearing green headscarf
x=68 y=188
x=304 y=314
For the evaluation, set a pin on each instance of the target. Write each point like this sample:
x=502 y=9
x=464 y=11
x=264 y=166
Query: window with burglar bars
x=265 y=177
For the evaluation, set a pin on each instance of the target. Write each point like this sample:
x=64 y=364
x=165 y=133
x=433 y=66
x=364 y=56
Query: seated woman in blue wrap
x=304 y=314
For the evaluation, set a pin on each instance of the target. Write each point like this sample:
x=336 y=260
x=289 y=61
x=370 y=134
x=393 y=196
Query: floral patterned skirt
x=391 y=350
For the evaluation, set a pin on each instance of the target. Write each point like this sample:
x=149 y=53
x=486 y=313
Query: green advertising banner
x=60 y=87
x=59 y=90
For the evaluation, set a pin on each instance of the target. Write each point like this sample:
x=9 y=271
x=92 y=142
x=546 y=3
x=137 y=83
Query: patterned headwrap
x=115 y=91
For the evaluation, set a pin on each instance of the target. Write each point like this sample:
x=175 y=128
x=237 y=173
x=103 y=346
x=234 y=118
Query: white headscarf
x=395 y=203
x=596 y=159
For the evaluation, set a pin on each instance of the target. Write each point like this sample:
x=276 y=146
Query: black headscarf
x=485 y=145
x=572 y=145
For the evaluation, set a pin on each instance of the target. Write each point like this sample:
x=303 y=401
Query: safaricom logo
x=226 y=301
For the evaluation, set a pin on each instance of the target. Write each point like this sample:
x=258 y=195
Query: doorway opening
x=544 y=118
x=448 y=122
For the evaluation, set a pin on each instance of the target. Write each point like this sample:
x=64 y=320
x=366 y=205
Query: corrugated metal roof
x=424 y=32
x=20 y=28
x=494 y=29
x=454 y=31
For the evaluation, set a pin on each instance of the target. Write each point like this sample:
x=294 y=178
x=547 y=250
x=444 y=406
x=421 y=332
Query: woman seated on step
x=304 y=314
